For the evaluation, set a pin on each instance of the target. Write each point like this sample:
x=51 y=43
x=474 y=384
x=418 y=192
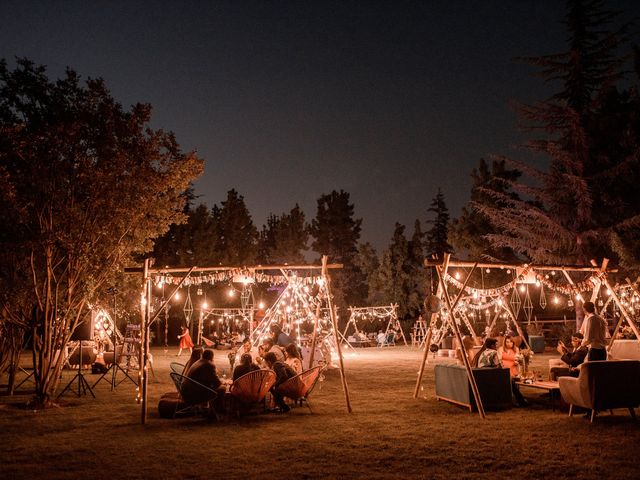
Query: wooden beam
x=467 y=264
x=456 y=329
x=254 y=268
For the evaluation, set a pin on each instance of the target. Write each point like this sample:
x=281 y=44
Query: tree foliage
x=586 y=206
x=284 y=238
x=336 y=233
x=437 y=236
x=85 y=185
x=468 y=233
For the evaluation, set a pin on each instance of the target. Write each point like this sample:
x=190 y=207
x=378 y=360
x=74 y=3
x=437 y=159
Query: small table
x=552 y=387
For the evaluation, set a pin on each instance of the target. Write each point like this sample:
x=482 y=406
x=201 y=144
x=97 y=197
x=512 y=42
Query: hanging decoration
x=515 y=302
x=527 y=305
x=188 y=308
x=543 y=297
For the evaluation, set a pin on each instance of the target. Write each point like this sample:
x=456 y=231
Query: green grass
x=389 y=434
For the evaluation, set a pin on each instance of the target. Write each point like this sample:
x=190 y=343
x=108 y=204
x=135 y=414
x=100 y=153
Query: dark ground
x=389 y=434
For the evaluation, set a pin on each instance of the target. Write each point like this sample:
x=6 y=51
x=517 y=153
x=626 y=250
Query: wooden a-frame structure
x=389 y=312
x=148 y=318
x=598 y=278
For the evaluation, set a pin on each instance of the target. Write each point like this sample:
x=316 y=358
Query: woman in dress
x=185 y=340
x=508 y=354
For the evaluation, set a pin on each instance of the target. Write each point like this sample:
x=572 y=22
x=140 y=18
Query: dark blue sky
x=286 y=101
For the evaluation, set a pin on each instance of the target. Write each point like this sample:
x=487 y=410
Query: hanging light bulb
x=231 y=292
x=579 y=297
x=261 y=305
x=199 y=291
x=488 y=270
x=556 y=300
x=600 y=302
x=569 y=303
x=205 y=305
x=522 y=288
x=608 y=292
x=457 y=275
x=176 y=296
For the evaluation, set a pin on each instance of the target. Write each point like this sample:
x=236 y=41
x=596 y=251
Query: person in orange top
x=508 y=354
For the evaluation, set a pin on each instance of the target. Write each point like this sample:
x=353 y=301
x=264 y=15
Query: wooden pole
x=623 y=310
x=432 y=323
x=456 y=329
x=334 y=321
x=144 y=354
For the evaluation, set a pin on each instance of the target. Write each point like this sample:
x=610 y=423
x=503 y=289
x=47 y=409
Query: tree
x=437 y=236
x=417 y=287
x=284 y=239
x=238 y=237
x=394 y=274
x=586 y=206
x=369 y=263
x=336 y=234
x=85 y=185
x=468 y=233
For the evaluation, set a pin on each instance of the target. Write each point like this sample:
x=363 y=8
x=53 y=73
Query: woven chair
x=177 y=367
x=299 y=388
x=193 y=398
x=251 y=388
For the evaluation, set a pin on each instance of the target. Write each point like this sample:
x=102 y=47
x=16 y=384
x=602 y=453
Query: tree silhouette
x=85 y=185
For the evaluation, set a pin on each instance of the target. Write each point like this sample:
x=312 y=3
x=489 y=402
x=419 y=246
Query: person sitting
x=508 y=354
x=571 y=358
x=245 y=366
x=262 y=350
x=204 y=372
x=196 y=354
x=279 y=337
x=488 y=357
x=467 y=348
x=293 y=358
x=283 y=373
x=270 y=346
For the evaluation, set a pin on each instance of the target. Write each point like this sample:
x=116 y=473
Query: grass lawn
x=389 y=434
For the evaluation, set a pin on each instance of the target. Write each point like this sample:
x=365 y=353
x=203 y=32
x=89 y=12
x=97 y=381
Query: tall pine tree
x=438 y=234
x=468 y=233
x=336 y=234
x=585 y=207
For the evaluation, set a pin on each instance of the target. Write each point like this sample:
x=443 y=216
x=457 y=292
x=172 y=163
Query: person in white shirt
x=595 y=333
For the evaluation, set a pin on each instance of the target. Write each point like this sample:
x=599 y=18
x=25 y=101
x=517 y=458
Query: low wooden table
x=552 y=388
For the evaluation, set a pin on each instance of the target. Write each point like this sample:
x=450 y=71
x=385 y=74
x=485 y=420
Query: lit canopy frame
x=185 y=278
x=597 y=279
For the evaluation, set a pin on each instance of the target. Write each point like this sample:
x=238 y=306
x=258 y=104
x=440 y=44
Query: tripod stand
x=115 y=366
x=83 y=385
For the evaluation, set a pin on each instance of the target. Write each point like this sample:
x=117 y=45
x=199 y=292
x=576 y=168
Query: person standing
x=185 y=340
x=595 y=332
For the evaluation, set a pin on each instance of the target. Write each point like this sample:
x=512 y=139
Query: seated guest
x=279 y=337
x=245 y=366
x=196 y=354
x=467 y=348
x=488 y=357
x=204 y=372
x=270 y=346
x=293 y=358
x=508 y=355
x=283 y=373
x=571 y=357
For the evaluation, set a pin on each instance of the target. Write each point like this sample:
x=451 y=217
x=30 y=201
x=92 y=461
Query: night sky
x=286 y=101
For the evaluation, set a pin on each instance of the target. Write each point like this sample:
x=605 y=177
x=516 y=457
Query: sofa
x=603 y=385
x=494 y=385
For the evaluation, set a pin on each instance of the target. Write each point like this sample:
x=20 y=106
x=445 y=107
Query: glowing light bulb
x=522 y=288
x=457 y=275
x=205 y=305
x=556 y=300
x=176 y=296
x=261 y=305
x=231 y=292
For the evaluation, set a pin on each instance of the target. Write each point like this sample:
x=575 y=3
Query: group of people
x=589 y=344
x=278 y=353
